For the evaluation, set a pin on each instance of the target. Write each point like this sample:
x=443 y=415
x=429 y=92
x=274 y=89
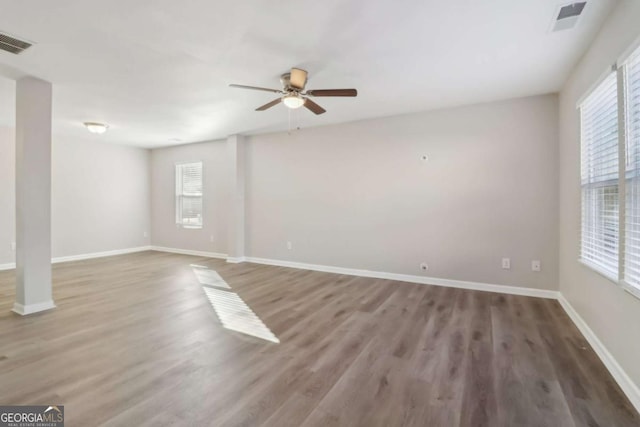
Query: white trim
x=56 y=260
x=486 y=287
x=624 y=57
x=23 y=310
x=633 y=290
x=598 y=270
x=595 y=85
x=175 y=199
x=619 y=375
x=8 y=266
x=236 y=260
x=189 y=252
x=81 y=257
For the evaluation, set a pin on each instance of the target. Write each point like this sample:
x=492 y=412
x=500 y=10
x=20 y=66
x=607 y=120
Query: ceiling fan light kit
x=293 y=101
x=294 y=95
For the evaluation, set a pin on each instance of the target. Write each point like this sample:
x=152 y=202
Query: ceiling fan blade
x=269 y=105
x=257 y=88
x=313 y=106
x=332 y=92
x=298 y=78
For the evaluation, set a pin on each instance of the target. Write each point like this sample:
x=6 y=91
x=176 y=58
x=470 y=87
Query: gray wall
x=212 y=237
x=7 y=194
x=358 y=195
x=100 y=196
x=612 y=313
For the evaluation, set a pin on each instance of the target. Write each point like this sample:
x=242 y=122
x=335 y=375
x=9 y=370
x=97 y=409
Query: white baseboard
x=99 y=254
x=487 y=287
x=189 y=252
x=236 y=260
x=56 y=260
x=23 y=310
x=619 y=375
x=8 y=266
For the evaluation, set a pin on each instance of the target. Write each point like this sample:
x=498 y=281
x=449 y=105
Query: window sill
x=189 y=227
x=631 y=289
x=621 y=283
x=596 y=268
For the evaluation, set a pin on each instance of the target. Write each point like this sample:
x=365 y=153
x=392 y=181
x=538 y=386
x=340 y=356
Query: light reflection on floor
x=233 y=312
x=209 y=277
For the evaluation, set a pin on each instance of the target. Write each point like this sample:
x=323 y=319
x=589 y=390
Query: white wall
x=212 y=237
x=613 y=314
x=100 y=196
x=358 y=195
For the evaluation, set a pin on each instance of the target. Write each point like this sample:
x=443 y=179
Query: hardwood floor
x=135 y=342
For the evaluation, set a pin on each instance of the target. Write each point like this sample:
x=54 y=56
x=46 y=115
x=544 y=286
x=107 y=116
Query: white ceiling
x=156 y=70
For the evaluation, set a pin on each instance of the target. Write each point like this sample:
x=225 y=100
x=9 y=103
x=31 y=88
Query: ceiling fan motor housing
x=285 y=79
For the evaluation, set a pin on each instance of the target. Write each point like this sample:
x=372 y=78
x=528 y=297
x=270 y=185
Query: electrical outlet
x=535 y=265
x=13 y=246
x=211 y=238
x=289 y=245
x=506 y=264
x=145 y=234
x=424 y=266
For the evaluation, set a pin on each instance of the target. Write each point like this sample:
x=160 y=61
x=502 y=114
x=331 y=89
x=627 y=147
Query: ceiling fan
x=293 y=92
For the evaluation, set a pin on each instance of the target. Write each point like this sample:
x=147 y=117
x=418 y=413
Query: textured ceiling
x=159 y=70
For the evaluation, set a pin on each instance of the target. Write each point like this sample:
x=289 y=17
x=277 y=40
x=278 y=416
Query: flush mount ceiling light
x=96 y=127
x=293 y=101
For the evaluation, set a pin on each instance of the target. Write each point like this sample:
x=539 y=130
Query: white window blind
x=632 y=168
x=599 y=173
x=189 y=195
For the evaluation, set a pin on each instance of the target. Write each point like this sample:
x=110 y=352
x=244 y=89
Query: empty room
x=329 y=213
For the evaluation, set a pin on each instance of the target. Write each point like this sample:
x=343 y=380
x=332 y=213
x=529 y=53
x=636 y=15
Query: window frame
x=178 y=212
x=619 y=68
x=593 y=265
x=623 y=131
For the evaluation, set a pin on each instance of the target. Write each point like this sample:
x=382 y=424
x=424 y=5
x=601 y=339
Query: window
x=599 y=173
x=189 y=195
x=610 y=174
x=631 y=73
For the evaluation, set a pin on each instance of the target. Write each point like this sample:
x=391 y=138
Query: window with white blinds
x=189 y=195
x=632 y=168
x=599 y=173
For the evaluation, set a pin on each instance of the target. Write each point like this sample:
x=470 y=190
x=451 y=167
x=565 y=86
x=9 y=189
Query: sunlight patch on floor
x=209 y=277
x=233 y=312
x=236 y=315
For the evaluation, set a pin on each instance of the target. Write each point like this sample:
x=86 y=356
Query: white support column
x=33 y=196
x=236 y=215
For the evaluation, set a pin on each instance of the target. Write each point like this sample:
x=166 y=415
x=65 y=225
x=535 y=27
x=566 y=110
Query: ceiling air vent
x=567 y=16
x=13 y=45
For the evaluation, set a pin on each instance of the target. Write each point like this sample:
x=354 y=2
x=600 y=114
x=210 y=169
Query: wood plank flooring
x=135 y=342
